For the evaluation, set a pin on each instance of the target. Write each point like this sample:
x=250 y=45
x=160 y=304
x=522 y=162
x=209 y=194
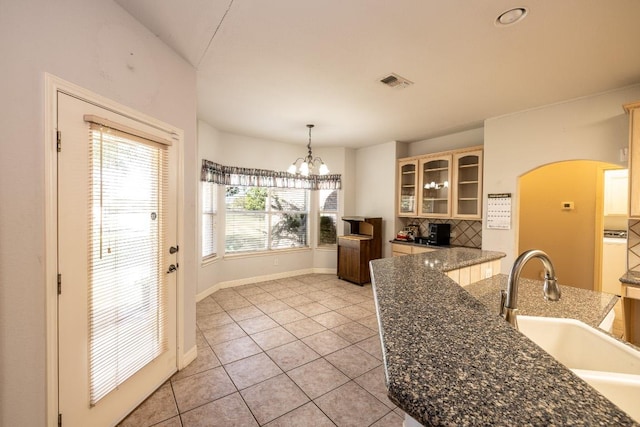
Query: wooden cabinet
x=467 y=275
x=634 y=158
x=441 y=185
x=467 y=191
x=355 y=250
x=408 y=188
x=435 y=179
x=400 y=250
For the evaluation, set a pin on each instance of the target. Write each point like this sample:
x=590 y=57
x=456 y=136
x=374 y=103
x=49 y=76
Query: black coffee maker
x=439 y=234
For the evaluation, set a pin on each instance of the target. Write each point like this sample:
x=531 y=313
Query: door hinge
x=59 y=420
x=59 y=140
x=59 y=283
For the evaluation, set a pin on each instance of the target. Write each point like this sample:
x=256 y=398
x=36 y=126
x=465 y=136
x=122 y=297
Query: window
x=328 y=207
x=261 y=219
x=127 y=284
x=209 y=220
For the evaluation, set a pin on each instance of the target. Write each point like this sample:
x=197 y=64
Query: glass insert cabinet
x=408 y=186
x=441 y=185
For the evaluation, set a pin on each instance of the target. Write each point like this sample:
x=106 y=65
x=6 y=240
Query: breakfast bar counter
x=450 y=360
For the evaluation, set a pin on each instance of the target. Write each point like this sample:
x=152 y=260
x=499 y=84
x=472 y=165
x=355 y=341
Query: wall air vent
x=395 y=81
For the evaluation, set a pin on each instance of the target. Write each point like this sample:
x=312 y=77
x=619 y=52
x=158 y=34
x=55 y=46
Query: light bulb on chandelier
x=308 y=163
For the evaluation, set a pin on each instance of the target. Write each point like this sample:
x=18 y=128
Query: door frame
x=52 y=86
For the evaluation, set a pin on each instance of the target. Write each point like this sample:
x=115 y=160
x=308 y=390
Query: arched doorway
x=561 y=212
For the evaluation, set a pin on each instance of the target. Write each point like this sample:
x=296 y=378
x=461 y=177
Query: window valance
x=251 y=177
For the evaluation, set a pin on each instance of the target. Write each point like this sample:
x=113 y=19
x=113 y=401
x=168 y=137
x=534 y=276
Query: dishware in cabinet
x=435 y=179
x=408 y=186
x=467 y=192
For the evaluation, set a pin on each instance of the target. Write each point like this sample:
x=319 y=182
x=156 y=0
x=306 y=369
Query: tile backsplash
x=467 y=233
x=633 y=245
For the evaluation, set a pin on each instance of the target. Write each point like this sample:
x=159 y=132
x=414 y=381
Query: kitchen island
x=450 y=360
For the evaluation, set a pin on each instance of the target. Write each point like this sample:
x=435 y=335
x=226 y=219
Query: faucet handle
x=503 y=300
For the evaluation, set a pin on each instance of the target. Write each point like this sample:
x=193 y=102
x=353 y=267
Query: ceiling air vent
x=395 y=81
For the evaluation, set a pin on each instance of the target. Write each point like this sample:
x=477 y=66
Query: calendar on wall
x=499 y=211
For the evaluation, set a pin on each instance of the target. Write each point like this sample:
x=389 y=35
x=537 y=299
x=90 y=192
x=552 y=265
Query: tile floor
x=300 y=351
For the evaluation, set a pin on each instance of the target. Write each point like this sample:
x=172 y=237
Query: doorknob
x=172 y=268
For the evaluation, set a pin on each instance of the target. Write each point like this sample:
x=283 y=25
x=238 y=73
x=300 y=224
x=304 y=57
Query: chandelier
x=309 y=163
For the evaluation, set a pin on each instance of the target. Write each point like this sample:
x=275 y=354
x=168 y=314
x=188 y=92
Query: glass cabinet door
x=408 y=182
x=468 y=191
x=434 y=185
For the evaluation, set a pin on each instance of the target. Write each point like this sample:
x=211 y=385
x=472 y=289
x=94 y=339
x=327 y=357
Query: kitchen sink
x=607 y=364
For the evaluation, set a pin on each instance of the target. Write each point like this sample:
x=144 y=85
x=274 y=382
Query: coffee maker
x=439 y=234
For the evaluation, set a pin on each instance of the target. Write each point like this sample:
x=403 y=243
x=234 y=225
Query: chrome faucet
x=509 y=298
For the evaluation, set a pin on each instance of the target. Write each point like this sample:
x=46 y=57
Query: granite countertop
x=631 y=278
x=581 y=304
x=450 y=360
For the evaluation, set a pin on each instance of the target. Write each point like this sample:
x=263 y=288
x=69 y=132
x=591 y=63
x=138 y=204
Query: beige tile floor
x=300 y=351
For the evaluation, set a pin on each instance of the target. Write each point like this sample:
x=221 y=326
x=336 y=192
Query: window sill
x=274 y=252
x=208 y=261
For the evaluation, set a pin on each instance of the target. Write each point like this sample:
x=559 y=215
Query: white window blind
x=261 y=219
x=127 y=289
x=209 y=219
x=328 y=210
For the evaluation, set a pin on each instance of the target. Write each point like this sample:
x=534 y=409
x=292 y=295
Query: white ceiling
x=267 y=68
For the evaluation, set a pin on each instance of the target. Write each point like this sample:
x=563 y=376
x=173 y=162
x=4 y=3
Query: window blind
x=260 y=219
x=127 y=281
x=209 y=219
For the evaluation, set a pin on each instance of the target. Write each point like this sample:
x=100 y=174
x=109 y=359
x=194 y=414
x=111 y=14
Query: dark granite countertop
x=587 y=306
x=450 y=360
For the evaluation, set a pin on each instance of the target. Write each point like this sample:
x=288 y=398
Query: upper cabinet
x=435 y=179
x=441 y=185
x=616 y=192
x=467 y=193
x=408 y=188
x=634 y=158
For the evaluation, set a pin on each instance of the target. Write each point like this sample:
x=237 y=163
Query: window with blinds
x=262 y=219
x=127 y=289
x=209 y=220
x=328 y=212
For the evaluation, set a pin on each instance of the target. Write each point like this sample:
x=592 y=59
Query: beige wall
x=568 y=236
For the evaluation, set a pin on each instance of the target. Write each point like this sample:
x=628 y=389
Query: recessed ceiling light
x=511 y=16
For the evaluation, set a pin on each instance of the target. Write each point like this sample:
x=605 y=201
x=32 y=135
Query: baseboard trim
x=239 y=282
x=188 y=357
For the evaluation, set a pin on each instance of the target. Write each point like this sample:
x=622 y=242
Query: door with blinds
x=116 y=229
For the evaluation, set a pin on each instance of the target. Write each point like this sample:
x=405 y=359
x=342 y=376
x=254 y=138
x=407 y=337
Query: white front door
x=117 y=305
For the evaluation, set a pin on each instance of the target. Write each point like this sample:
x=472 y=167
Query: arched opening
x=561 y=211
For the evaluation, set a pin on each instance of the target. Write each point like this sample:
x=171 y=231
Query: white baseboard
x=188 y=357
x=239 y=282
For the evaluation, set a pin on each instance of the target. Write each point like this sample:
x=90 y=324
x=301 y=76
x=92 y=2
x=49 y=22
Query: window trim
x=206 y=259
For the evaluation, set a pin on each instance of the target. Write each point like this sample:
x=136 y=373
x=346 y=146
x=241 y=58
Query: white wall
x=89 y=43
x=590 y=128
x=376 y=186
x=453 y=141
x=236 y=150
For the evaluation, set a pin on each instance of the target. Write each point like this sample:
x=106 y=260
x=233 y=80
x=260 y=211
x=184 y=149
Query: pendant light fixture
x=309 y=163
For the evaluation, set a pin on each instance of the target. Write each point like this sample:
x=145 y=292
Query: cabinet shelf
x=408 y=186
x=429 y=199
x=408 y=173
x=473 y=165
x=462 y=199
x=467 y=182
x=435 y=169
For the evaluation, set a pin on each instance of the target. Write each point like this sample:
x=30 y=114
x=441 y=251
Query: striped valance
x=251 y=177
